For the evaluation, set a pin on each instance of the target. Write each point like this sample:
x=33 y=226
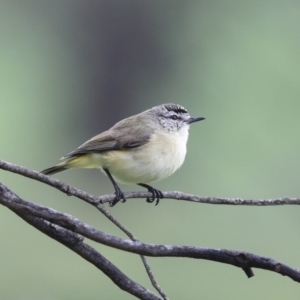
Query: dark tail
x=54 y=170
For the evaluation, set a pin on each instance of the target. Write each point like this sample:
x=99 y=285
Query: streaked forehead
x=172 y=109
x=178 y=109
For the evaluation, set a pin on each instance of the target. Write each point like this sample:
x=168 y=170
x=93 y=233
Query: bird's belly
x=154 y=161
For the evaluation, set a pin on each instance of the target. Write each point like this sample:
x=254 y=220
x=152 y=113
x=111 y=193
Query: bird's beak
x=195 y=119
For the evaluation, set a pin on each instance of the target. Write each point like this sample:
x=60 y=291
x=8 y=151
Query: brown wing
x=120 y=137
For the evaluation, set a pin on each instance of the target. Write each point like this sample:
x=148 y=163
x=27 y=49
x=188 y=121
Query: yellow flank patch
x=83 y=161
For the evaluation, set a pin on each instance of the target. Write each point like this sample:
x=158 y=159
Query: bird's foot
x=156 y=194
x=119 y=196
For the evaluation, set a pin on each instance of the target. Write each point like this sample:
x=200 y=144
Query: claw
x=156 y=194
x=119 y=196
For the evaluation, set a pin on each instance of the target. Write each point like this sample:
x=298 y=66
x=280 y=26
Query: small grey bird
x=143 y=148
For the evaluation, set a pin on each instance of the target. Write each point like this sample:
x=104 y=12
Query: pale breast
x=157 y=159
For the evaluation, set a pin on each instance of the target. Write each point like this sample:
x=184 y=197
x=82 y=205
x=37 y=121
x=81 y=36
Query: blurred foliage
x=71 y=69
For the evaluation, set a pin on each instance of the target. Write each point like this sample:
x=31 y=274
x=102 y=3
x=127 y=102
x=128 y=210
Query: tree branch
x=244 y=260
x=72 y=191
x=35 y=214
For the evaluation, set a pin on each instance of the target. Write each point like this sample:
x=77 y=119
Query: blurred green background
x=71 y=69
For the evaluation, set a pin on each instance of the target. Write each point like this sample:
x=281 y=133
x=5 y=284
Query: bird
x=140 y=149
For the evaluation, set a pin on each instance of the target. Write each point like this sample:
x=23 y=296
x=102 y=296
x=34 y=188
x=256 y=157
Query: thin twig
x=133 y=238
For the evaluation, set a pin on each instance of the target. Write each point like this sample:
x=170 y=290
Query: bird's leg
x=119 y=194
x=156 y=194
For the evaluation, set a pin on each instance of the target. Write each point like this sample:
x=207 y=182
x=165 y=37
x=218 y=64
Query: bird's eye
x=174 y=117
